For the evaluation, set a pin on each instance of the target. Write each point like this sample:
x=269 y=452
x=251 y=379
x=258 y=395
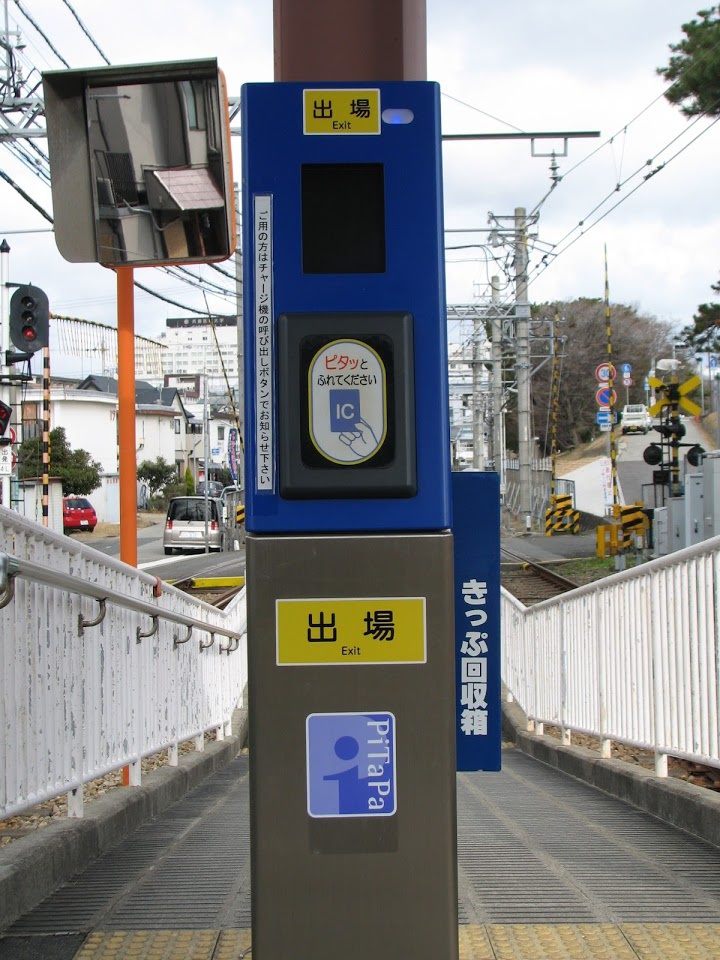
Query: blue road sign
x=476 y=504
x=626 y=368
x=605 y=396
x=713 y=361
x=351 y=764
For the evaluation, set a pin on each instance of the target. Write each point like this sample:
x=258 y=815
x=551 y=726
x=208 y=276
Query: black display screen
x=343 y=218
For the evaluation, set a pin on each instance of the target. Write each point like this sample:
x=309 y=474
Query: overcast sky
x=503 y=66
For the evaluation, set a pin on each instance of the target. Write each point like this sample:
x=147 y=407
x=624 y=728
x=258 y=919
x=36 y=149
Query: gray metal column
x=343 y=887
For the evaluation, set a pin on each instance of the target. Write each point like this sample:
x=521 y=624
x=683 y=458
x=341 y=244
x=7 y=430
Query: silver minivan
x=185 y=525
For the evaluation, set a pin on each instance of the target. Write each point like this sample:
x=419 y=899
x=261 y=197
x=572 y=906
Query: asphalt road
x=151 y=556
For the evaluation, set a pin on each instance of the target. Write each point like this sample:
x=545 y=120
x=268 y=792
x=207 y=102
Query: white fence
x=633 y=658
x=97 y=671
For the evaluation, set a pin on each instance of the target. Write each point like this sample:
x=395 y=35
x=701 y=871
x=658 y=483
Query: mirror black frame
x=153 y=184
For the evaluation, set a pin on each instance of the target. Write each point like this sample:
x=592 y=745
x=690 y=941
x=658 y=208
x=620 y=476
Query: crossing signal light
x=29 y=318
x=653 y=455
x=5 y=414
x=695 y=455
x=672 y=430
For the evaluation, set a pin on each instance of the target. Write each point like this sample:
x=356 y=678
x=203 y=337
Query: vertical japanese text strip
x=474 y=662
x=263 y=319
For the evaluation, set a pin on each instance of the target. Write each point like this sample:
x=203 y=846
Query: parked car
x=214 y=488
x=636 y=419
x=185 y=525
x=78 y=514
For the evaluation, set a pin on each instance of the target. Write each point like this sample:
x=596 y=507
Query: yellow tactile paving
x=474 y=943
x=150 y=945
x=562 y=941
x=232 y=944
x=674 y=941
x=496 y=941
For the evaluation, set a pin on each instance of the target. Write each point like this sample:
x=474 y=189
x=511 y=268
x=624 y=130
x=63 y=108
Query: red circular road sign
x=12 y=435
x=606 y=397
x=604 y=372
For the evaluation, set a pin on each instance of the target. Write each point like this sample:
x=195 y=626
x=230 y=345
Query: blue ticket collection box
x=345 y=342
x=348 y=509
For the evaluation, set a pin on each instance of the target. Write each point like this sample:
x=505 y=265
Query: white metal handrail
x=633 y=658
x=80 y=695
x=16 y=567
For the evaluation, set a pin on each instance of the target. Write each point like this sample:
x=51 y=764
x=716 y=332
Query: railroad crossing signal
x=5 y=414
x=672 y=399
x=29 y=318
x=673 y=395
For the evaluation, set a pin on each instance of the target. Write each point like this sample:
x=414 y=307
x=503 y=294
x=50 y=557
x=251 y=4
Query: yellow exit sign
x=341 y=112
x=350 y=631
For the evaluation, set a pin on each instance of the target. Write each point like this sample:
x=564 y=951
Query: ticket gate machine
x=349 y=550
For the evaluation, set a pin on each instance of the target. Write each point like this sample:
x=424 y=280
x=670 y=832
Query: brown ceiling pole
x=352 y=40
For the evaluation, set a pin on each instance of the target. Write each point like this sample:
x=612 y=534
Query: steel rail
x=555 y=578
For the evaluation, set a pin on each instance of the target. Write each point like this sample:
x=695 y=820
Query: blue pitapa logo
x=351 y=764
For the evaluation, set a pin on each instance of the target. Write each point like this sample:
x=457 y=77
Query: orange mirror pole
x=126 y=425
x=126 y=415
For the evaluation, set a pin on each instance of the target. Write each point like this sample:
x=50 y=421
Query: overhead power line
x=585 y=228
x=86 y=31
x=154 y=293
x=42 y=34
x=26 y=196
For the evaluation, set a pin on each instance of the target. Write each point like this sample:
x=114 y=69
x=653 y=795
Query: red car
x=78 y=514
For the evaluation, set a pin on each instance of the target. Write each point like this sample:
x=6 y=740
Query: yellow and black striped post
x=633 y=522
x=555 y=400
x=561 y=516
x=611 y=394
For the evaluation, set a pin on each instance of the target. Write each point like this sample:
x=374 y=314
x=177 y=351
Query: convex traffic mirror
x=140 y=164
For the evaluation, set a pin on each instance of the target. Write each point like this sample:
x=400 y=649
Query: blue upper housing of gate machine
x=346 y=410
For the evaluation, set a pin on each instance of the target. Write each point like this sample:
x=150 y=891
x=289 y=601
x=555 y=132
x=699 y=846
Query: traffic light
x=5 y=414
x=29 y=318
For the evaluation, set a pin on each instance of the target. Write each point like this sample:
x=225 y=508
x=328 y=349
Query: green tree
x=694 y=69
x=189 y=482
x=157 y=474
x=704 y=334
x=694 y=76
x=78 y=473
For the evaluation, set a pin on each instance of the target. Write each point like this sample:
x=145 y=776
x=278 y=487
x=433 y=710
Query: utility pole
x=206 y=449
x=478 y=407
x=496 y=336
x=522 y=345
x=4 y=347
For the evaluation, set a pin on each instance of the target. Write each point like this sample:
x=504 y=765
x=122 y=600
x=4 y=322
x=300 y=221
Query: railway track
x=217 y=591
x=529 y=581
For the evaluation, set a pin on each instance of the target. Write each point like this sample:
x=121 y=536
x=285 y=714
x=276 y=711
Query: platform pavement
x=544 y=549
x=549 y=868
x=546 y=933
